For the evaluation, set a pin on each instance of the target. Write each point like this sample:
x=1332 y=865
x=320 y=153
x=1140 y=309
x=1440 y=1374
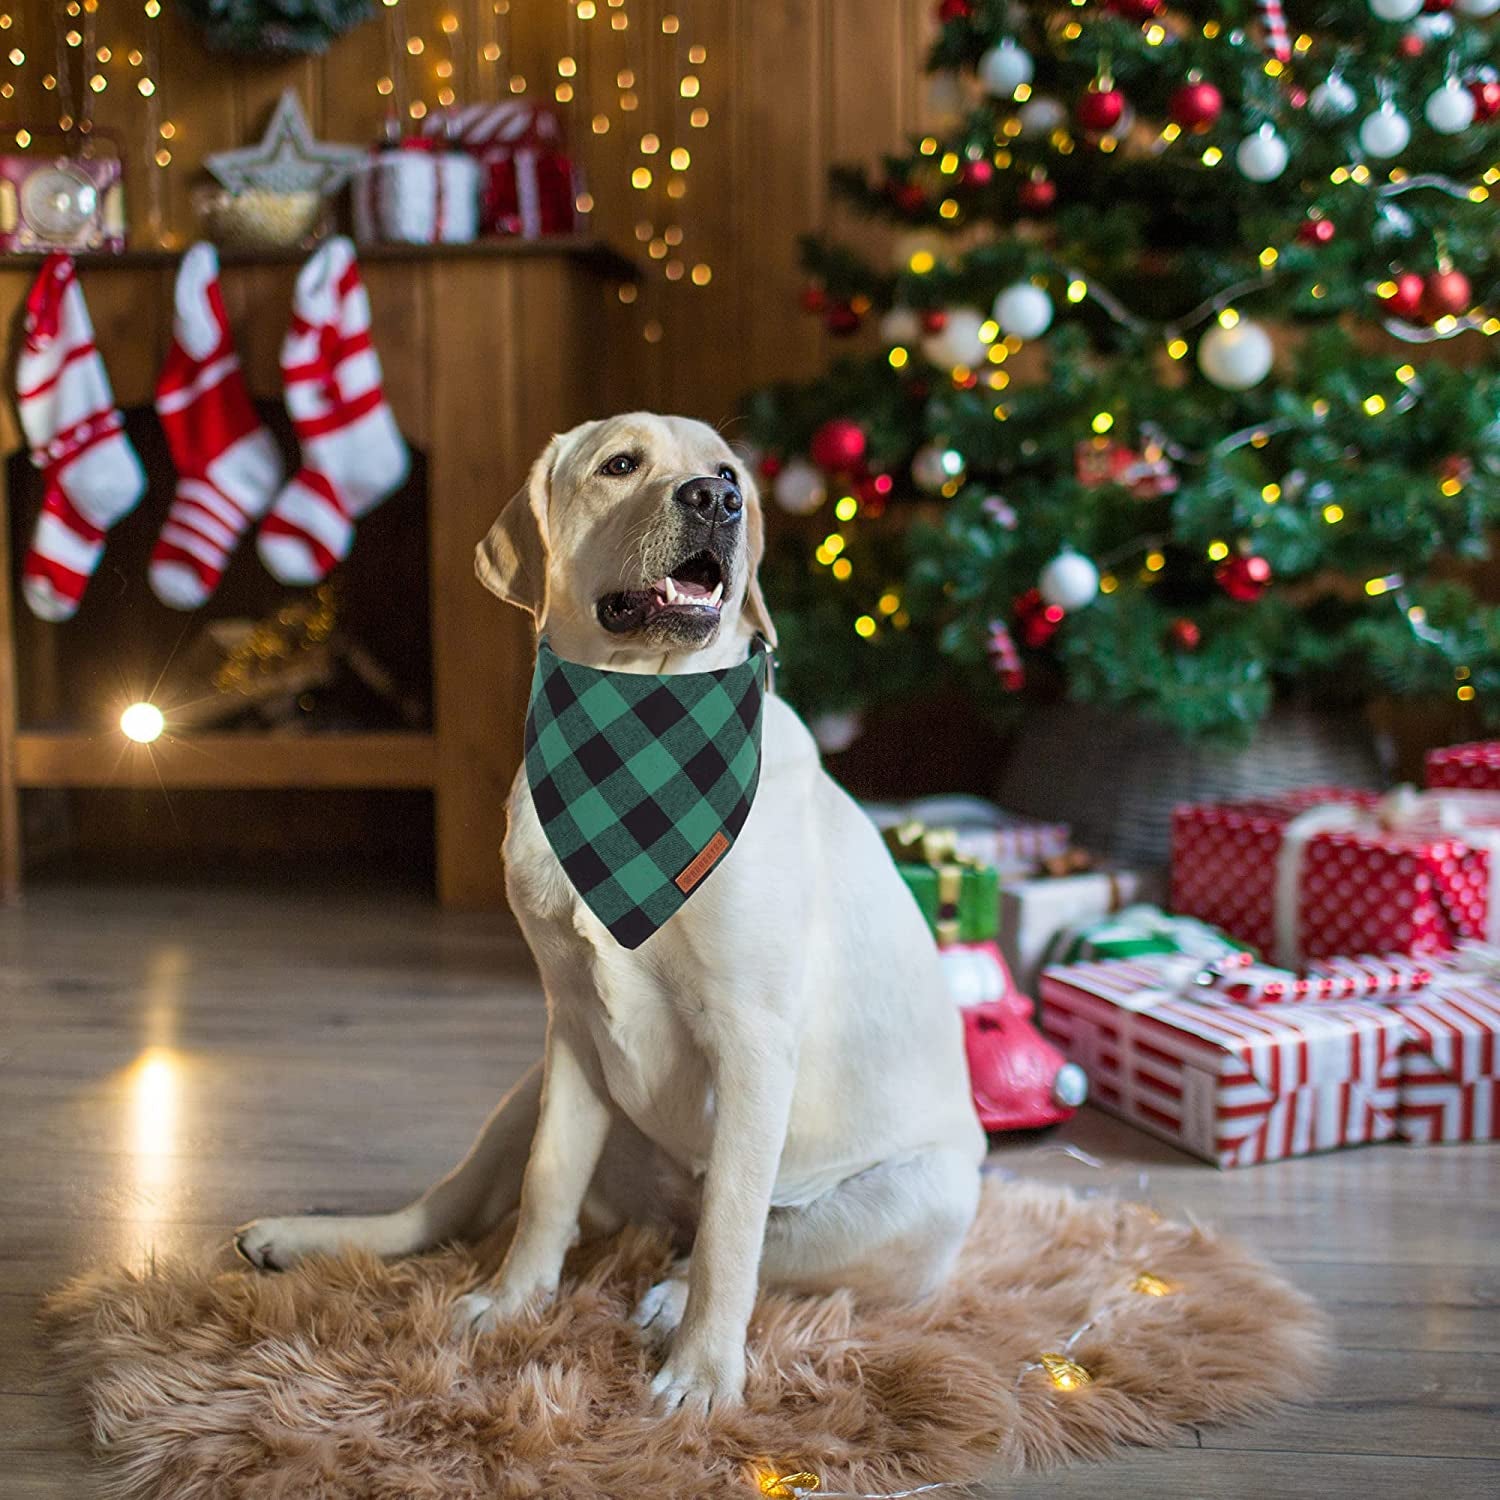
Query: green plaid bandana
x=642 y=781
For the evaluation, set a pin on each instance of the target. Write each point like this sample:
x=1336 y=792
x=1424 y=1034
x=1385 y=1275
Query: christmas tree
x=1184 y=392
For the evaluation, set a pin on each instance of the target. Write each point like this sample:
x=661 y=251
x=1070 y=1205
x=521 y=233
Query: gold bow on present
x=914 y=843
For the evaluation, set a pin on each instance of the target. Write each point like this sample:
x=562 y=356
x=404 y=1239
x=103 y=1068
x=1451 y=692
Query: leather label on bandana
x=643 y=781
x=703 y=864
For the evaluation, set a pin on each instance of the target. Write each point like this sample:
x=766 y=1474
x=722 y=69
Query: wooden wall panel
x=790 y=86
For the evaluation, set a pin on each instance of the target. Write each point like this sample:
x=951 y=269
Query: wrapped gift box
x=1011 y=845
x=960 y=902
x=416 y=192
x=1230 y=1085
x=1475 y=766
x=1033 y=912
x=1450 y=1060
x=1326 y=871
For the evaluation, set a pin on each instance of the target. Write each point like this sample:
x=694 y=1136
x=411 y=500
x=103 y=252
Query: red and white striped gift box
x=1450 y=1060
x=1475 y=766
x=1365 y=978
x=1231 y=1085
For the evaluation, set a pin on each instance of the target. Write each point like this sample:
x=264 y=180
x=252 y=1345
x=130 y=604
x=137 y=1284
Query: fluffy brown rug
x=340 y=1381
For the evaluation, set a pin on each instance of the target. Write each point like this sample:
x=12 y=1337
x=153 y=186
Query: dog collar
x=642 y=780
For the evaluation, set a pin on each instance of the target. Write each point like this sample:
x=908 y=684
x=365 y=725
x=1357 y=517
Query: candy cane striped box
x=1450 y=1083
x=1475 y=766
x=1231 y=1085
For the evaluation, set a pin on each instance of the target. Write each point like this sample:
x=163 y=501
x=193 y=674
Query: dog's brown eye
x=621 y=463
x=725 y=472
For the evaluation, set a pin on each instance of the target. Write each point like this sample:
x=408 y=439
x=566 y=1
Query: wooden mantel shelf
x=587 y=251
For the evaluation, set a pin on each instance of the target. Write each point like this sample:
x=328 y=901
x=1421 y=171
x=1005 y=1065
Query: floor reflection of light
x=154 y=1090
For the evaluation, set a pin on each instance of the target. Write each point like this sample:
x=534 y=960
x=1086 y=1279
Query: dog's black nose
x=714 y=500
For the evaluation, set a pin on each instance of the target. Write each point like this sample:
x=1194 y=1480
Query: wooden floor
x=173 y=1062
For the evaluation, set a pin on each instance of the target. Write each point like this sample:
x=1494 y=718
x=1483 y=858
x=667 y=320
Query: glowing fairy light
x=142 y=722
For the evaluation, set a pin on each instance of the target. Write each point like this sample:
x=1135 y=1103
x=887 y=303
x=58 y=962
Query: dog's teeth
x=717 y=594
x=671 y=592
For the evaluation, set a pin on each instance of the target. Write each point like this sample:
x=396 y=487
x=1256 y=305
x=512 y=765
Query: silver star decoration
x=287 y=159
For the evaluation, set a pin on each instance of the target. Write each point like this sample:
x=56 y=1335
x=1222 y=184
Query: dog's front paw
x=699 y=1378
x=481 y=1312
x=278 y=1244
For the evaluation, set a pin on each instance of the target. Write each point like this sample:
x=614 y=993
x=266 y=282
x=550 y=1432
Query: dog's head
x=635 y=537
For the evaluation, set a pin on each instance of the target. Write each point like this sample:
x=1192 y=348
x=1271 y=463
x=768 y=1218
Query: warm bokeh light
x=142 y=722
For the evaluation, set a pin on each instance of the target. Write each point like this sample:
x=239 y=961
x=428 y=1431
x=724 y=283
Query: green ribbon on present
x=1137 y=932
x=959 y=896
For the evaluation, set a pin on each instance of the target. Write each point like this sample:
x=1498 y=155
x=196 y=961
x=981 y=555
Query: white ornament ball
x=1041 y=116
x=1478 y=7
x=1434 y=27
x=837 y=731
x=1385 y=132
x=799 y=489
x=1395 y=10
x=947 y=101
x=1449 y=109
x=1235 y=358
x=1333 y=99
x=933 y=466
x=1262 y=157
x=900 y=326
x=957 y=342
x=1004 y=68
x=1023 y=310
x=1069 y=581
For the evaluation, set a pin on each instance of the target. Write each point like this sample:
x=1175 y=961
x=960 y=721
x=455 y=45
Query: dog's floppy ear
x=755 y=601
x=512 y=559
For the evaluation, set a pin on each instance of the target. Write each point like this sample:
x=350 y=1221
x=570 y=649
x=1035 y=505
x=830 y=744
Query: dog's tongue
x=681 y=591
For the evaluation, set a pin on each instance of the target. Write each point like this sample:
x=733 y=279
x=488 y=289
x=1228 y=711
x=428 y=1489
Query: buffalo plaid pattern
x=633 y=775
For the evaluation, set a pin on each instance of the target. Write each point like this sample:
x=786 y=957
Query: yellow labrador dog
x=777 y=1074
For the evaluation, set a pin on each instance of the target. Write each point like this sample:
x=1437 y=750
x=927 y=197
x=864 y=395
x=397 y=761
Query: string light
x=897 y=358
x=864 y=627
x=702 y=274
x=1064 y=1373
x=142 y=722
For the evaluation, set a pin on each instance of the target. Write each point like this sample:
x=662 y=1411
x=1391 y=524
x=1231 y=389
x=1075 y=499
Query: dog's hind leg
x=466 y=1204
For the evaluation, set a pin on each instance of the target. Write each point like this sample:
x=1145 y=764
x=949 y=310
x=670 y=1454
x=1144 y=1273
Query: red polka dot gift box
x=1233 y=1085
x=1326 y=872
x=1475 y=766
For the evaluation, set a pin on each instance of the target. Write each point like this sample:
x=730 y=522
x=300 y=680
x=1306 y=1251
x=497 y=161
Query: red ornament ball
x=771 y=466
x=1486 y=99
x=908 y=197
x=977 y=173
x=1411 y=45
x=1100 y=109
x=1296 y=96
x=873 y=491
x=1244 y=578
x=1446 y=293
x=1037 y=619
x=838 y=445
x=1433 y=6
x=1457 y=466
x=841 y=318
x=1315 y=231
x=1138 y=10
x=1195 y=106
x=934 y=320
x=1406 y=300
x=814 y=299
x=1036 y=195
x=955 y=10
x=1185 y=634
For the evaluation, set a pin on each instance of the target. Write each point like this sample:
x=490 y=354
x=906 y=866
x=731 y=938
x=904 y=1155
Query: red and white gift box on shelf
x=530 y=185
x=1450 y=1059
x=1008 y=843
x=1328 y=871
x=1233 y=1085
x=1475 y=766
x=417 y=191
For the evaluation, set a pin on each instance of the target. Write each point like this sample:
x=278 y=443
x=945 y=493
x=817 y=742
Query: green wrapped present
x=959 y=897
x=1137 y=932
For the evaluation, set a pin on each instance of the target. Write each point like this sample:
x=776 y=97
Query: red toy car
x=1020 y=1080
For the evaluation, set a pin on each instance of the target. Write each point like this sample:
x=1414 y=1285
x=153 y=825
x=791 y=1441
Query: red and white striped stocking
x=353 y=455
x=68 y=412
x=228 y=467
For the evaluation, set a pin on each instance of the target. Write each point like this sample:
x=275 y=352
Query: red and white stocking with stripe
x=228 y=467
x=68 y=412
x=353 y=455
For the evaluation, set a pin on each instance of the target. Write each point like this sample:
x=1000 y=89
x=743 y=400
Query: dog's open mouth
x=692 y=592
